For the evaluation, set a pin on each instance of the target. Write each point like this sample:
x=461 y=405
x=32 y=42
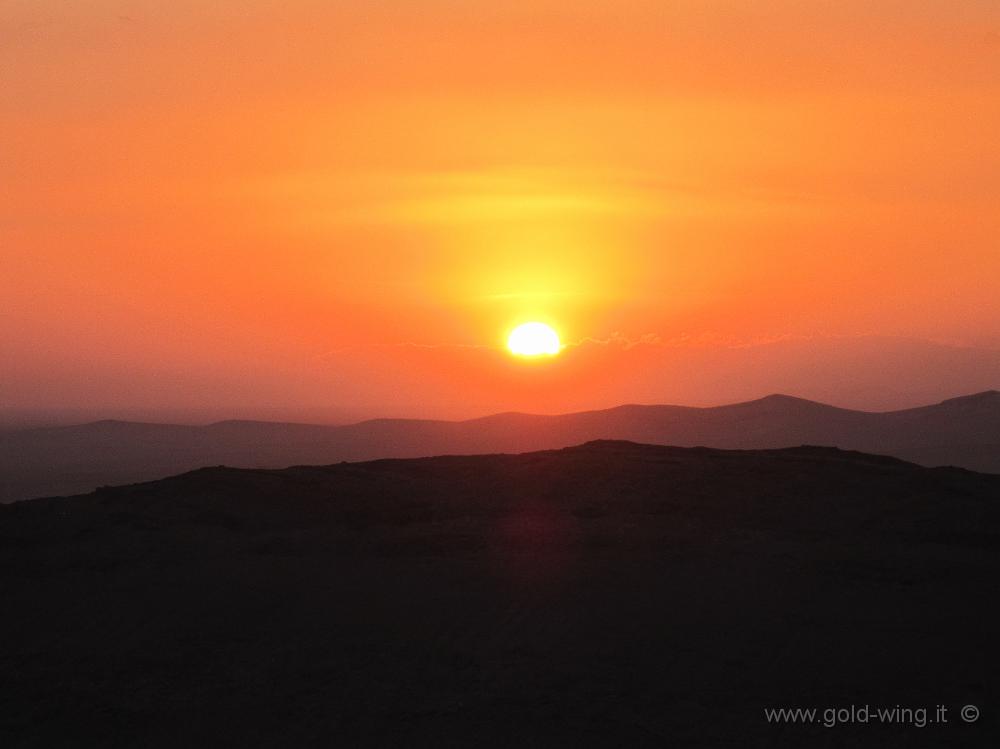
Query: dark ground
x=607 y=595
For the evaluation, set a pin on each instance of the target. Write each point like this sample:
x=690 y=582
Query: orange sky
x=247 y=206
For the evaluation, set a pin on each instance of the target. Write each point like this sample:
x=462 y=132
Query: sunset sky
x=329 y=210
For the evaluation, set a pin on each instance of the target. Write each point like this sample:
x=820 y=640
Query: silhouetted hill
x=66 y=460
x=611 y=594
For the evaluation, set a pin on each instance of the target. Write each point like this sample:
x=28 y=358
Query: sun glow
x=534 y=339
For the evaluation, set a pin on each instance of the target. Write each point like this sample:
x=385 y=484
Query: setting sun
x=534 y=339
x=453 y=369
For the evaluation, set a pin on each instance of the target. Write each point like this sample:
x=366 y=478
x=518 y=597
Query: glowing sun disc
x=534 y=339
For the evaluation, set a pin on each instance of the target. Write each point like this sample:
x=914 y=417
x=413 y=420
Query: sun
x=534 y=339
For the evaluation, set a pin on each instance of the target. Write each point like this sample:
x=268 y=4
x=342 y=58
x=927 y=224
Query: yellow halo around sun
x=534 y=339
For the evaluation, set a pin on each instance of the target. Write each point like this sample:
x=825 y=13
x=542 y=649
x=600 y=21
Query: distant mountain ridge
x=962 y=431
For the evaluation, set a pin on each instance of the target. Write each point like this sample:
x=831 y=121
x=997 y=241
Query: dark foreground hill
x=69 y=460
x=606 y=595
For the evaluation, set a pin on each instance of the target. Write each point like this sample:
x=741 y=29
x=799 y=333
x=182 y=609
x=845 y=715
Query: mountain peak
x=986 y=396
x=780 y=399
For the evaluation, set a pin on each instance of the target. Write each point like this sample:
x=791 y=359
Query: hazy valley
x=53 y=461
